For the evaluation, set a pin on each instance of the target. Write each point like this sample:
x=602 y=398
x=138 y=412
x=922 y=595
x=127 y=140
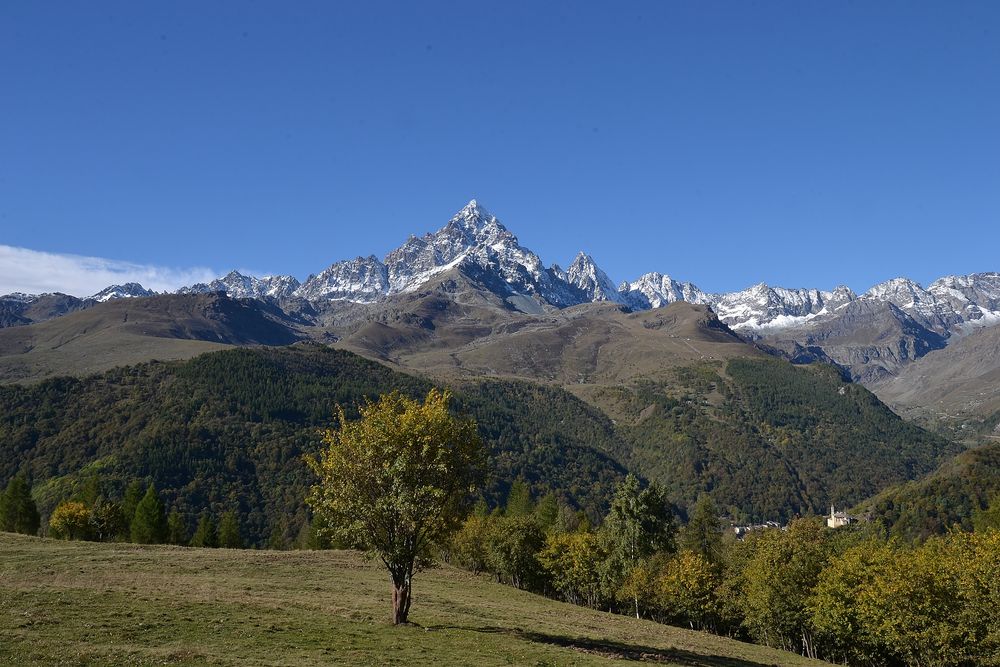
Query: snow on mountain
x=762 y=305
x=585 y=275
x=922 y=305
x=475 y=242
x=126 y=291
x=239 y=286
x=473 y=236
x=363 y=279
x=975 y=297
x=473 y=239
x=19 y=297
x=653 y=290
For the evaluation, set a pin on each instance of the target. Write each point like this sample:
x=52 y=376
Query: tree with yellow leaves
x=397 y=481
x=70 y=520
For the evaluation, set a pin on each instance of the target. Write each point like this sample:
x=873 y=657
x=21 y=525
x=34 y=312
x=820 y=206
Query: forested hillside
x=955 y=494
x=769 y=439
x=226 y=432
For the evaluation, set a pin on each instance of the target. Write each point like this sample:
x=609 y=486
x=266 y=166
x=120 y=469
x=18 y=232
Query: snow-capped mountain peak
x=126 y=291
x=585 y=275
x=654 y=289
x=473 y=238
x=474 y=241
x=19 y=297
x=240 y=286
x=901 y=291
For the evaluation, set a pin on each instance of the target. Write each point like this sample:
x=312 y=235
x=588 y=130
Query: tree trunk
x=637 y=606
x=401 y=601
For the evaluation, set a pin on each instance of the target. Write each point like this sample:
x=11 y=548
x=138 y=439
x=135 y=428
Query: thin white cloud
x=35 y=272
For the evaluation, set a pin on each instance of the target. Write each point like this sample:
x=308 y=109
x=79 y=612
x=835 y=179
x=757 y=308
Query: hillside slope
x=456 y=327
x=112 y=604
x=227 y=430
x=949 y=496
x=768 y=439
x=959 y=382
x=128 y=331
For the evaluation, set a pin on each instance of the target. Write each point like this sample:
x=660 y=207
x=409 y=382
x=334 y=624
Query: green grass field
x=79 y=603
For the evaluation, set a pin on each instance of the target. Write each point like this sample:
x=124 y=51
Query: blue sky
x=727 y=143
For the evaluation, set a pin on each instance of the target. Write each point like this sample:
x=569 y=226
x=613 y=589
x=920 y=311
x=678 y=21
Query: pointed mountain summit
x=473 y=241
x=585 y=275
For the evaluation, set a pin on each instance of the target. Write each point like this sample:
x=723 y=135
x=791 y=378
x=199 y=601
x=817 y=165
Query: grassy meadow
x=82 y=603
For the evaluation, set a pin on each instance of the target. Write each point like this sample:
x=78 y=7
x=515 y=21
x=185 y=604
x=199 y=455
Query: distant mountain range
x=871 y=336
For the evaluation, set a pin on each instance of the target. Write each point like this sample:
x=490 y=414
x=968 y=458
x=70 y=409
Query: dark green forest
x=226 y=432
x=957 y=494
x=770 y=440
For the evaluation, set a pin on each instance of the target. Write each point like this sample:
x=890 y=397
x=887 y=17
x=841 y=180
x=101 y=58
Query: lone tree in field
x=397 y=481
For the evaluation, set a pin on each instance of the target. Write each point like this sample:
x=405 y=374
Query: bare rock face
x=363 y=280
x=871 y=339
x=585 y=275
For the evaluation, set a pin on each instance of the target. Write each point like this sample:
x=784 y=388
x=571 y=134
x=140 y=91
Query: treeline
x=850 y=595
x=139 y=516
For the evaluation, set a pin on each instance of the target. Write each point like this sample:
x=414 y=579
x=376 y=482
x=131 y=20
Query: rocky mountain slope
x=951 y=383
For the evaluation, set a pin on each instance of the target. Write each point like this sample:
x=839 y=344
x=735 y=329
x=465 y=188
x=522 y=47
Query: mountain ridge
x=872 y=337
x=474 y=236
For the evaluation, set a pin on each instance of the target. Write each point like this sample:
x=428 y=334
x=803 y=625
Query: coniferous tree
x=519 y=501
x=149 y=525
x=567 y=519
x=177 y=531
x=481 y=508
x=547 y=511
x=229 y=531
x=638 y=525
x=204 y=535
x=90 y=491
x=130 y=500
x=703 y=533
x=18 y=513
x=277 y=541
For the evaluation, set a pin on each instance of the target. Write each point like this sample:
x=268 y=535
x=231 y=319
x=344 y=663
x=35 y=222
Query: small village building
x=838 y=519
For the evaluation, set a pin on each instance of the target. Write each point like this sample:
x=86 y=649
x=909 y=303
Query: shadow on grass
x=616 y=650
